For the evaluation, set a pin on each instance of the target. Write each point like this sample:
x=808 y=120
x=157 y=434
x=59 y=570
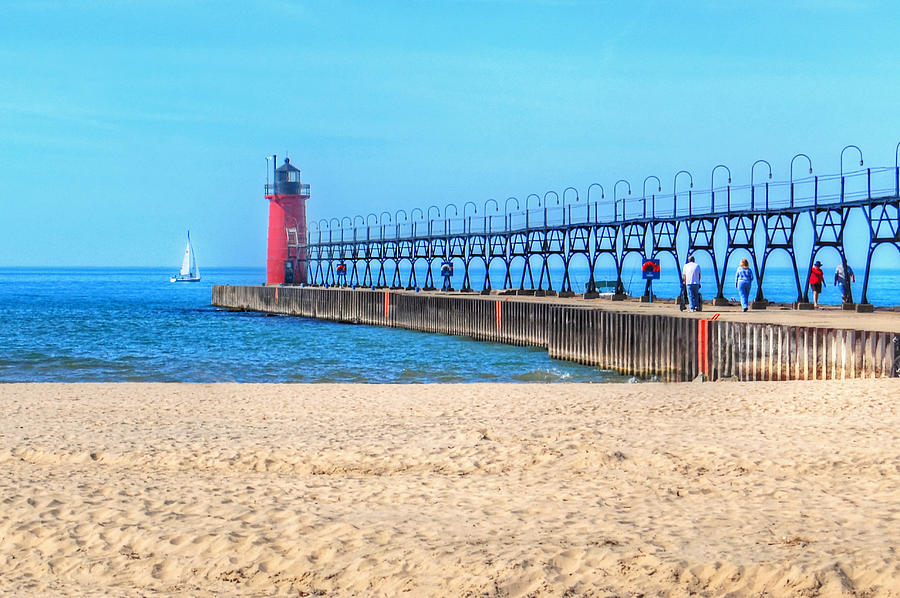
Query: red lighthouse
x=286 y=258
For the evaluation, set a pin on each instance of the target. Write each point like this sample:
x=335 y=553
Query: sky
x=125 y=123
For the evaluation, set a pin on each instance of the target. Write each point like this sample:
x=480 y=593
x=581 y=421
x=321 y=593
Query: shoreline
x=177 y=489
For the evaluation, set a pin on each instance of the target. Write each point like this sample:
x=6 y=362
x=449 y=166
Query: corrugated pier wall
x=671 y=348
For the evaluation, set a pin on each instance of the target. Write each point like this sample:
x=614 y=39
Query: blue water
x=100 y=325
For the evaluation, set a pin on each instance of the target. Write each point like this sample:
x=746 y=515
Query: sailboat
x=189 y=271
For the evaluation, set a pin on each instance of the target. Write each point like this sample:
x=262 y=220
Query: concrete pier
x=633 y=339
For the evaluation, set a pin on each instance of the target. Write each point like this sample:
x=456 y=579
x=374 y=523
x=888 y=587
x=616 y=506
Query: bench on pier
x=604 y=288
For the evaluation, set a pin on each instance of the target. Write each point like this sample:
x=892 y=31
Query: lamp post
x=896 y=171
x=675 y=192
x=466 y=219
x=330 y=230
x=570 y=207
x=412 y=216
x=507 y=218
x=596 y=203
x=348 y=219
x=555 y=194
x=486 y=212
x=321 y=220
x=616 y=201
x=397 y=219
x=369 y=225
x=381 y=221
x=753 y=189
x=842 y=157
x=528 y=204
x=430 y=219
x=644 y=192
x=842 y=165
x=792 y=173
x=448 y=228
x=712 y=186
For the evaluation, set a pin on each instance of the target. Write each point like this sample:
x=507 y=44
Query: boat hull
x=184 y=279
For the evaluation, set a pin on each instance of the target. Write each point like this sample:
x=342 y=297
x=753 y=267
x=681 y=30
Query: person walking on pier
x=843 y=276
x=816 y=281
x=447 y=273
x=743 y=278
x=691 y=279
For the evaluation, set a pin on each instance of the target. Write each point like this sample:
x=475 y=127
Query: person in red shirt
x=816 y=281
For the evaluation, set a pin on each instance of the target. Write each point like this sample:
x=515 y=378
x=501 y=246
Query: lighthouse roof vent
x=288 y=167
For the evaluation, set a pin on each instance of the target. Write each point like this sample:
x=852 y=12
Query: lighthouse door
x=289 y=272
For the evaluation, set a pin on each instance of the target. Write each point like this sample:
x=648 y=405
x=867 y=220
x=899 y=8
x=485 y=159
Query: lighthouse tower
x=286 y=257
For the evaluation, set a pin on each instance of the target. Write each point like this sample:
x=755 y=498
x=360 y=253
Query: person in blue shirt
x=743 y=278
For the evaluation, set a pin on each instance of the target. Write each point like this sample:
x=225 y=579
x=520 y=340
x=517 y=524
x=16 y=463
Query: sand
x=742 y=489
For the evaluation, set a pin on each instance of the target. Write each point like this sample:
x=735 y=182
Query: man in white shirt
x=691 y=278
x=843 y=276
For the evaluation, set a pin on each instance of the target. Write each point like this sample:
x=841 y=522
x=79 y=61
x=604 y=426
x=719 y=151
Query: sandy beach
x=741 y=489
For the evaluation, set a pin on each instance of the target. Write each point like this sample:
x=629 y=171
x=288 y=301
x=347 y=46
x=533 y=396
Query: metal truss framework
x=755 y=220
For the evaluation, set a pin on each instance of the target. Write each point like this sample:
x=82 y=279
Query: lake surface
x=133 y=325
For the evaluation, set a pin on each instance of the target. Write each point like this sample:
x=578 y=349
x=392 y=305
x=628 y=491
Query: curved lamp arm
x=397 y=216
x=372 y=214
x=712 y=176
x=752 y=169
x=675 y=181
x=433 y=207
x=644 y=188
x=675 y=190
x=467 y=204
x=412 y=213
x=616 y=201
x=602 y=192
x=792 y=164
x=506 y=204
x=528 y=201
x=548 y=193
x=447 y=210
x=842 y=157
x=577 y=199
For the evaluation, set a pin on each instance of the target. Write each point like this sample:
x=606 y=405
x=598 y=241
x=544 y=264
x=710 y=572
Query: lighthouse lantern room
x=286 y=261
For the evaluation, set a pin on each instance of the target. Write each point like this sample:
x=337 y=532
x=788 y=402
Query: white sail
x=189 y=271
x=186 y=262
